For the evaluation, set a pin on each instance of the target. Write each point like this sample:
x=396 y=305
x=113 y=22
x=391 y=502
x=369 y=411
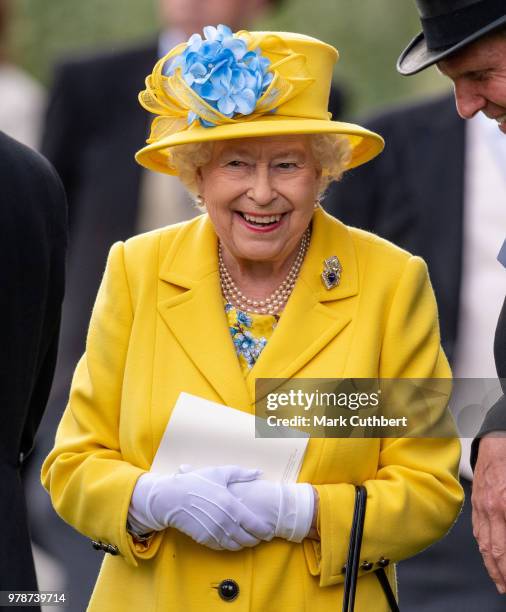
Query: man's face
x=478 y=73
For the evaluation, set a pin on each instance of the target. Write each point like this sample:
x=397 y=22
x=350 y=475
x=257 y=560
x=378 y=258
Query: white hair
x=332 y=153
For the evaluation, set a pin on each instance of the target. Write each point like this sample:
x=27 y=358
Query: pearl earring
x=199 y=200
x=316 y=204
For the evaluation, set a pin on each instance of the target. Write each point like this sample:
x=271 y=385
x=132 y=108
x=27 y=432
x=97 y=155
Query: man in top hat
x=467 y=41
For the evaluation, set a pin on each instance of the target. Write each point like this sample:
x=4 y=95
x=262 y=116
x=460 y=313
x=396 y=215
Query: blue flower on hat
x=222 y=71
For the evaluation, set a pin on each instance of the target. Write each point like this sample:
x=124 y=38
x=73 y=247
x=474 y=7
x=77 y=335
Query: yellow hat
x=244 y=85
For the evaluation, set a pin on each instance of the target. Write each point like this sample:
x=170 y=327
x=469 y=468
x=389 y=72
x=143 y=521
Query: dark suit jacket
x=94 y=126
x=32 y=244
x=500 y=349
x=413 y=190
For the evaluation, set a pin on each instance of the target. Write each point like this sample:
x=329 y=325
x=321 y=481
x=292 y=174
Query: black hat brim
x=417 y=57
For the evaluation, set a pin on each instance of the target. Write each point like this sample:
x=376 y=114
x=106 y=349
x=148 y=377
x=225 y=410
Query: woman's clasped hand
x=223 y=507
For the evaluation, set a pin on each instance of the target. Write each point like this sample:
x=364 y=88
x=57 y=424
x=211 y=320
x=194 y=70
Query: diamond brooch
x=331 y=275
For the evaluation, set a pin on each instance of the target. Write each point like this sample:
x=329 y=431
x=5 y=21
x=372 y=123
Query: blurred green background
x=368 y=33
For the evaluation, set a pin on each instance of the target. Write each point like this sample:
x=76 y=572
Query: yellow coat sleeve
x=415 y=496
x=86 y=455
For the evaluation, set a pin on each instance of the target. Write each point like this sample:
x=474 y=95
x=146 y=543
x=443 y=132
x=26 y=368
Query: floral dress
x=250 y=332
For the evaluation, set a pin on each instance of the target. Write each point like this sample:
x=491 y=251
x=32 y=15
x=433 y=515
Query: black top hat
x=449 y=25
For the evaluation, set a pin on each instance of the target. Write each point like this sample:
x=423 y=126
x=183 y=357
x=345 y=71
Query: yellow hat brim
x=365 y=144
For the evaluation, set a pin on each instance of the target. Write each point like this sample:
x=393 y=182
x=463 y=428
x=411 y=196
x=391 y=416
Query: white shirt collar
x=494 y=137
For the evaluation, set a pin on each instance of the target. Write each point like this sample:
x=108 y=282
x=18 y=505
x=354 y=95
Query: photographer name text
x=340 y=421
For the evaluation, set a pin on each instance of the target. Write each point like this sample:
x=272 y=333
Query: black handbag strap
x=357 y=528
x=352 y=565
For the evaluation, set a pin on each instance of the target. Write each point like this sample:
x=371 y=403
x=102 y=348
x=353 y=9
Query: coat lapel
x=195 y=313
x=437 y=183
x=314 y=316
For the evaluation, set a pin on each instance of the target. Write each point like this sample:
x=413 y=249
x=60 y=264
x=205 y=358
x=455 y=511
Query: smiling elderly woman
x=264 y=284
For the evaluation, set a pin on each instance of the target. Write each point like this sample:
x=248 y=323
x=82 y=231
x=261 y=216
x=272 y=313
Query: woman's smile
x=260 y=222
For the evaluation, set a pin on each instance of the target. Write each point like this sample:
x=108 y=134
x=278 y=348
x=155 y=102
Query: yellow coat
x=158 y=328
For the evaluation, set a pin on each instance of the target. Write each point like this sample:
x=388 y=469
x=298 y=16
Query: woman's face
x=260 y=195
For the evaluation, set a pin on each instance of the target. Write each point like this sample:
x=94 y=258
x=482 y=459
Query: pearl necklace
x=278 y=299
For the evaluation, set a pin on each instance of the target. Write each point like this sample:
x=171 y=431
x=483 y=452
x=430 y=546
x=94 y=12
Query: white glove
x=199 y=504
x=287 y=508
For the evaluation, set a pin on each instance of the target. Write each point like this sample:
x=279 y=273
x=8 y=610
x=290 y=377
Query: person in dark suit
x=91 y=137
x=408 y=193
x=467 y=41
x=33 y=236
